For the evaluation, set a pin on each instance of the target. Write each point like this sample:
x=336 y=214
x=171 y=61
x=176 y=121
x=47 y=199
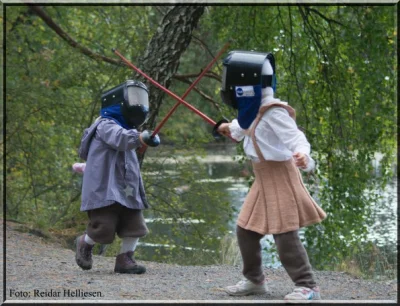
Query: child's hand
x=79 y=167
x=224 y=129
x=301 y=160
x=146 y=139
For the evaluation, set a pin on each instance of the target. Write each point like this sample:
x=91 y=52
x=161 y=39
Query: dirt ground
x=40 y=270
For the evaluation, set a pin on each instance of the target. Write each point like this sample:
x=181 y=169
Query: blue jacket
x=112 y=172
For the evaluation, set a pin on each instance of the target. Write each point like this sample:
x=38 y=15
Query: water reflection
x=226 y=175
x=384 y=231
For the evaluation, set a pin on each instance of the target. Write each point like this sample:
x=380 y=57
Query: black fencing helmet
x=242 y=68
x=133 y=96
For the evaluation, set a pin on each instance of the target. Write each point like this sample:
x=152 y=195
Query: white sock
x=128 y=244
x=89 y=240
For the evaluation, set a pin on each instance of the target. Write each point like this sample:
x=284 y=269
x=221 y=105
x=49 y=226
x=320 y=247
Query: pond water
x=228 y=176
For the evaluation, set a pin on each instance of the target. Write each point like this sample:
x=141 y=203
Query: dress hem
x=276 y=231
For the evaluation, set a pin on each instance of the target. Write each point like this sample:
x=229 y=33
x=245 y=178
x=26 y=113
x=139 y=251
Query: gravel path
x=39 y=270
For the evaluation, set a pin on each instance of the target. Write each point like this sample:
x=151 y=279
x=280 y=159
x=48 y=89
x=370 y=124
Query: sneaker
x=304 y=293
x=126 y=263
x=83 y=256
x=246 y=287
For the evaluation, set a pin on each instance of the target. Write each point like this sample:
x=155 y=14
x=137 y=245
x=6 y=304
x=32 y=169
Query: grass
x=371 y=263
x=229 y=251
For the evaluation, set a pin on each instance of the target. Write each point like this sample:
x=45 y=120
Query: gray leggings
x=292 y=255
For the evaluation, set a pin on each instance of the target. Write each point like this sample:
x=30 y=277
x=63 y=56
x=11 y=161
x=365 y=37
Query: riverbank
x=41 y=270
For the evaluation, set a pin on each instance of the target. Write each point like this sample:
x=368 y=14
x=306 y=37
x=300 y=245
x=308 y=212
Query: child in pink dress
x=278 y=202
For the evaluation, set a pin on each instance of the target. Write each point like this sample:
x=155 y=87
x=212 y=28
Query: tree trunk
x=161 y=59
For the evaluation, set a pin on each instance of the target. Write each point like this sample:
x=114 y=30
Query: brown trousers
x=107 y=221
x=291 y=251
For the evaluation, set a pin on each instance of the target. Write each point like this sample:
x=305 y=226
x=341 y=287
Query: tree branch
x=201 y=93
x=201 y=42
x=204 y=45
x=329 y=20
x=56 y=28
x=312 y=31
x=209 y=74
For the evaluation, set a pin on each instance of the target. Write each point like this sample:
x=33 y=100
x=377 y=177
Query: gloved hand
x=217 y=132
x=145 y=137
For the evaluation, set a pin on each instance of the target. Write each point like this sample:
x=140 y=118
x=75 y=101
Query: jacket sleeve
x=84 y=149
x=236 y=131
x=287 y=131
x=117 y=137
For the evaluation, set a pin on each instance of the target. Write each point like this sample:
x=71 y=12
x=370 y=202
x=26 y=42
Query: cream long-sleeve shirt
x=277 y=136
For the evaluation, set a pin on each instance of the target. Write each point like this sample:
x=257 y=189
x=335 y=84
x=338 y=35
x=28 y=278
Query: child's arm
x=232 y=129
x=122 y=139
x=79 y=167
x=304 y=161
x=286 y=129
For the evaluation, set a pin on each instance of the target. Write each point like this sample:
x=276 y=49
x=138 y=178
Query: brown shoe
x=125 y=263
x=83 y=255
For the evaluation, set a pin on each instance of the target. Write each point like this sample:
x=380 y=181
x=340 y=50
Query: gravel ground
x=39 y=270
